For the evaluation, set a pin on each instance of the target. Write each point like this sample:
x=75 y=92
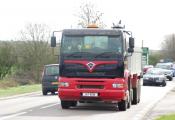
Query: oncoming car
x=146 y=67
x=50 y=78
x=154 y=76
x=166 y=69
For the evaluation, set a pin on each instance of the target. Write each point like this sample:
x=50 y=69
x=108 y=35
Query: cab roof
x=90 y=31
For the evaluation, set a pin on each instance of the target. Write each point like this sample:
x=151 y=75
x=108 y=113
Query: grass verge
x=4 y=92
x=166 y=117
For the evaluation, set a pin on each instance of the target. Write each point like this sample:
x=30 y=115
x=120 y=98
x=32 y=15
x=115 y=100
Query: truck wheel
x=44 y=92
x=122 y=106
x=65 y=104
x=135 y=96
x=129 y=102
x=74 y=103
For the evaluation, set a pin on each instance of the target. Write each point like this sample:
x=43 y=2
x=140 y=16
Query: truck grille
x=90 y=86
x=100 y=71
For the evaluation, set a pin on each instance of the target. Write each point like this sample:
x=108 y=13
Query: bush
x=8 y=83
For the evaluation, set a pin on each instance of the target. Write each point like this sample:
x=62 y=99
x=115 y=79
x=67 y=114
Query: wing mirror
x=130 y=50
x=131 y=42
x=53 y=41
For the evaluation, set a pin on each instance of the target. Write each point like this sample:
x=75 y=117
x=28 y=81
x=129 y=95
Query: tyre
x=130 y=99
x=44 y=91
x=129 y=103
x=169 y=78
x=122 y=106
x=65 y=104
x=164 y=84
x=129 y=96
x=53 y=92
x=135 y=96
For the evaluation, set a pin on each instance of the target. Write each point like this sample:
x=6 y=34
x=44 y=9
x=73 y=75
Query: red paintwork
x=85 y=62
x=134 y=78
x=106 y=94
x=134 y=81
x=126 y=76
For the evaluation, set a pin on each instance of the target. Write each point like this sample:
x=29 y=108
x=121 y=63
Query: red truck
x=98 y=65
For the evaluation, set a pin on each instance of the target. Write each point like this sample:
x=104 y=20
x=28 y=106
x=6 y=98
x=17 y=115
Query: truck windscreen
x=91 y=44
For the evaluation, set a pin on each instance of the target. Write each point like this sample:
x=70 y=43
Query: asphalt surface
x=37 y=106
x=164 y=107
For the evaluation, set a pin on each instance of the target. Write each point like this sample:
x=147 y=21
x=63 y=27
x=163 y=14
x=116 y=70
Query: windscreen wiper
x=106 y=54
x=77 y=54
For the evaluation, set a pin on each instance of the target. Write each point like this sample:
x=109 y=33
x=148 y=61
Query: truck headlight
x=63 y=84
x=117 y=85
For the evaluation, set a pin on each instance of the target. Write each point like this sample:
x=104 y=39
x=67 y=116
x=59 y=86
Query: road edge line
x=20 y=95
x=142 y=114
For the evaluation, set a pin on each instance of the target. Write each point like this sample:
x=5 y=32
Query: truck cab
x=92 y=53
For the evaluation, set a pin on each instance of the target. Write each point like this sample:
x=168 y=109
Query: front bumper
x=49 y=86
x=103 y=95
x=153 y=82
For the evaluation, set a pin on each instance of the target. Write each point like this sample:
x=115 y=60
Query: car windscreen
x=163 y=66
x=154 y=72
x=52 y=70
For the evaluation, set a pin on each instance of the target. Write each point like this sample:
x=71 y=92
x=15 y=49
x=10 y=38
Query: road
x=40 y=107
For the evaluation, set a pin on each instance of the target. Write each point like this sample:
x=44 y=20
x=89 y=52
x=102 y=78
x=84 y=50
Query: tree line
x=24 y=59
x=168 y=46
x=166 y=52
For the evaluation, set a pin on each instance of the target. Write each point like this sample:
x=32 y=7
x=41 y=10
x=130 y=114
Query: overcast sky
x=150 y=20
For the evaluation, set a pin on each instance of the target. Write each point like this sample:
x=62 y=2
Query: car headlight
x=169 y=73
x=63 y=84
x=117 y=85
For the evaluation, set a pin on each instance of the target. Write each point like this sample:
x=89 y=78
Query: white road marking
x=11 y=116
x=49 y=106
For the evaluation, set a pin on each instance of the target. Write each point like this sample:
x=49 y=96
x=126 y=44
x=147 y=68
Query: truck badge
x=90 y=66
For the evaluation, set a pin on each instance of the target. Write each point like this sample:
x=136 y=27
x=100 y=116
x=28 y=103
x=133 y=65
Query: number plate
x=90 y=94
x=54 y=83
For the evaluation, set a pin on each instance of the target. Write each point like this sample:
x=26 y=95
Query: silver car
x=169 y=73
x=154 y=76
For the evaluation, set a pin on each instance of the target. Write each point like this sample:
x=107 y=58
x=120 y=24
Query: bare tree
x=168 y=46
x=35 y=50
x=89 y=15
